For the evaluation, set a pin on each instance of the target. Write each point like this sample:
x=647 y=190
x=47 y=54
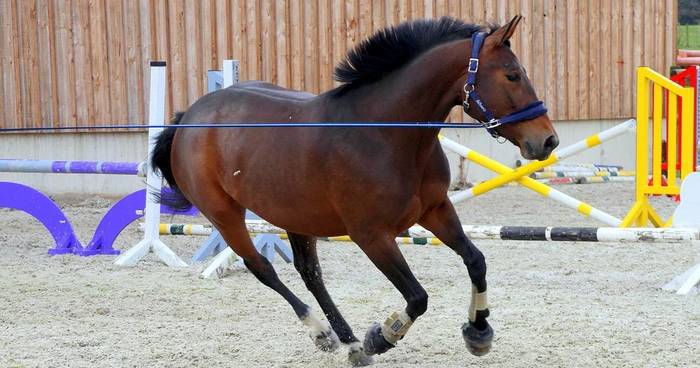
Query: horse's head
x=499 y=94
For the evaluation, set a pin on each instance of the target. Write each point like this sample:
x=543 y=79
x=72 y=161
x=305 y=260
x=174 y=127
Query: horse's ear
x=504 y=33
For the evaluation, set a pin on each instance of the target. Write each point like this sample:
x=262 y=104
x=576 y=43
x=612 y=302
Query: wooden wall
x=68 y=62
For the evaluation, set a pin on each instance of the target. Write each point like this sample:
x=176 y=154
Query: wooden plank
x=253 y=59
x=440 y=8
x=163 y=52
x=607 y=65
x=502 y=11
x=296 y=29
x=670 y=47
x=559 y=76
x=537 y=69
x=282 y=38
x=100 y=63
x=365 y=15
x=392 y=12
x=405 y=8
x=311 y=60
x=64 y=51
x=338 y=9
x=429 y=8
x=465 y=11
x=147 y=24
x=47 y=65
x=268 y=71
x=116 y=61
x=660 y=37
x=240 y=37
x=525 y=36
x=594 y=59
x=134 y=62
x=325 y=47
x=628 y=74
x=617 y=61
x=378 y=15
x=583 y=85
x=550 y=60
x=9 y=53
x=194 y=77
x=490 y=11
x=209 y=45
x=223 y=32
x=637 y=37
x=177 y=62
x=479 y=11
x=84 y=96
x=572 y=63
x=29 y=68
x=417 y=9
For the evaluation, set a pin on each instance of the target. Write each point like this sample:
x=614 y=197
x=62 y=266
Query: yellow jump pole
x=523 y=171
x=544 y=190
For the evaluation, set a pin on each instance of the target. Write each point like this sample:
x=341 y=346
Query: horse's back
x=272 y=90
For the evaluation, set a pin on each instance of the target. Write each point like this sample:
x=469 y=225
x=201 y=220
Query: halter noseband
x=528 y=112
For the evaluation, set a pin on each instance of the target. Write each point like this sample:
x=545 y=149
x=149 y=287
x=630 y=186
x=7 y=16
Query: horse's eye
x=513 y=77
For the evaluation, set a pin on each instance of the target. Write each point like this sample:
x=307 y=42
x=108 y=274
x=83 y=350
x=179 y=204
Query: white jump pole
x=151 y=239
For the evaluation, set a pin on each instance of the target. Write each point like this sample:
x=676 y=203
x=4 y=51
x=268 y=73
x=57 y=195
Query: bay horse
x=369 y=183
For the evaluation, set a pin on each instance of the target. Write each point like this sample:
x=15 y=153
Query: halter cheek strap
x=529 y=112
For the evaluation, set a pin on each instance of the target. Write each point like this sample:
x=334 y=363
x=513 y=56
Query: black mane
x=393 y=47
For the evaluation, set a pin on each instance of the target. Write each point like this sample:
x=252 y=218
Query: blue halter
x=528 y=112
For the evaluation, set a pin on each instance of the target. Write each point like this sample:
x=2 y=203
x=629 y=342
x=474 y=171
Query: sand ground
x=552 y=304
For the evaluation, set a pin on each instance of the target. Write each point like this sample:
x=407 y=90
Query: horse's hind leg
x=444 y=223
x=306 y=262
x=382 y=250
x=230 y=221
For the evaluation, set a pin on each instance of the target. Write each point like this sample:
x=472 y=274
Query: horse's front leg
x=380 y=247
x=442 y=221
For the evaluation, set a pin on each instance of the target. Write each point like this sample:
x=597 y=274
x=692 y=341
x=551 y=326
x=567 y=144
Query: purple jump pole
x=42 y=208
x=73 y=167
x=119 y=216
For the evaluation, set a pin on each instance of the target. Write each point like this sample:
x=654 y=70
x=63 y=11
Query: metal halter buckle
x=473 y=65
x=493 y=123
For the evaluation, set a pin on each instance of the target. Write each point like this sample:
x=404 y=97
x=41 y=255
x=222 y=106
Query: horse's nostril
x=551 y=143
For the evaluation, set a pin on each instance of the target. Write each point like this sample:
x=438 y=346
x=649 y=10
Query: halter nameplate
x=529 y=112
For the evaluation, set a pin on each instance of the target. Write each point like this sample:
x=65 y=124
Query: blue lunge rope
x=257 y=125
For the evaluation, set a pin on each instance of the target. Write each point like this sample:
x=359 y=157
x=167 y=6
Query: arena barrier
x=679 y=149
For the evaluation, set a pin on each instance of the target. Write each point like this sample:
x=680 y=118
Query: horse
x=369 y=183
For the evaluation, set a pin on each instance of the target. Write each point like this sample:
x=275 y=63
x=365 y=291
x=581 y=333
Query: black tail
x=161 y=161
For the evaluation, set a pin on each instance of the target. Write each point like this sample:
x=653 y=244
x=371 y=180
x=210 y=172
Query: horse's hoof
x=374 y=340
x=478 y=341
x=357 y=356
x=326 y=340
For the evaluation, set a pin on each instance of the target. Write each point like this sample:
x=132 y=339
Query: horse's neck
x=424 y=90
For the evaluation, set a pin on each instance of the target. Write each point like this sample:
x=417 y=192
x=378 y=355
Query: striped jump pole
x=564 y=174
x=524 y=233
x=521 y=172
x=565 y=166
x=73 y=167
x=207 y=230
